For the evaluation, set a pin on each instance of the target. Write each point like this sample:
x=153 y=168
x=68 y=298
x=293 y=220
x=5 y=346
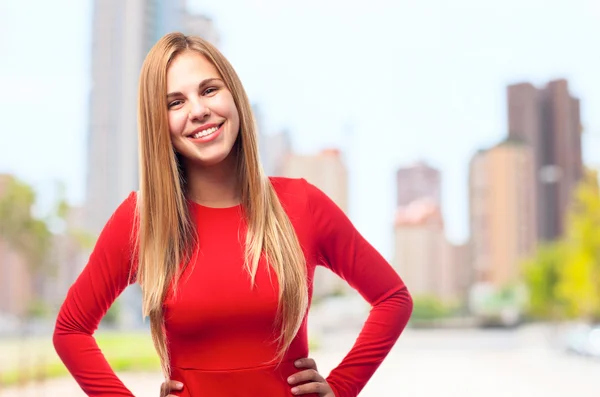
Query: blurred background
x=462 y=139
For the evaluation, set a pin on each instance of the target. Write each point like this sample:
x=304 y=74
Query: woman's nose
x=198 y=111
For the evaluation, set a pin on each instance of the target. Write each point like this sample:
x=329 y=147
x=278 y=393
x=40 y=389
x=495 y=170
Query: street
x=461 y=363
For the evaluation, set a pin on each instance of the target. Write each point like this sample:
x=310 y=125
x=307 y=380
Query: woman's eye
x=209 y=91
x=175 y=103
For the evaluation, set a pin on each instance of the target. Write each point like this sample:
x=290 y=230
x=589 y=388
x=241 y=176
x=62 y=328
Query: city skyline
x=392 y=124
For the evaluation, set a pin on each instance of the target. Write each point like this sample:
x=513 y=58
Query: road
x=461 y=363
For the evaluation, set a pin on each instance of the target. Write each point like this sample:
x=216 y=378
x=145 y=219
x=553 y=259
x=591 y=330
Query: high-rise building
x=417 y=182
x=327 y=171
x=502 y=211
x=122 y=34
x=428 y=263
x=548 y=119
x=419 y=246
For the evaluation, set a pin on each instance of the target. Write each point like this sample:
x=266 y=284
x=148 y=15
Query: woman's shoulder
x=288 y=185
x=125 y=214
x=297 y=191
x=128 y=207
x=292 y=192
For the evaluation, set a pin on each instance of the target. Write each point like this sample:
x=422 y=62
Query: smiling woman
x=225 y=256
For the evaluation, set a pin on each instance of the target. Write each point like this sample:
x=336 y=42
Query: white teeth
x=205 y=132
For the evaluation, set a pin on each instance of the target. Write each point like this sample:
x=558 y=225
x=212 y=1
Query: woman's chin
x=207 y=161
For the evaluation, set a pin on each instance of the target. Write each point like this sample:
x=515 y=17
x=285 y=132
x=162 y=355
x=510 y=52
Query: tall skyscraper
x=502 y=211
x=122 y=33
x=417 y=182
x=548 y=119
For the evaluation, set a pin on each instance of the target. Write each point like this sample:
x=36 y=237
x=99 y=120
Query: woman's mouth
x=207 y=134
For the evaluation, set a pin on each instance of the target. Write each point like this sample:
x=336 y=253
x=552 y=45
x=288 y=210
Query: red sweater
x=219 y=330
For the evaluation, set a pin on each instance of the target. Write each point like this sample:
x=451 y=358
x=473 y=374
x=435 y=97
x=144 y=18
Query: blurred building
x=461 y=278
x=428 y=263
x=72 y=249
x=417 y=182
x=548 y=119
x=327 y=171
x=16 y=282
x=502 y=211
x=420 y=246
x=123 y=33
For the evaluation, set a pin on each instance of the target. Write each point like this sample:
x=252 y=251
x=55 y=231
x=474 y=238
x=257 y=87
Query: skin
x=197 y=98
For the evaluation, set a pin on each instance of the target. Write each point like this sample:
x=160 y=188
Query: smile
x=207 y=133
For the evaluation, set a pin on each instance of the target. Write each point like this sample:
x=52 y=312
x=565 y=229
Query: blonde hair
x=166 y=235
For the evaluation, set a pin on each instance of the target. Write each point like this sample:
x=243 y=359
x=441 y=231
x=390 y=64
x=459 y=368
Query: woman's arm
x=106 y=275
x=343 y=250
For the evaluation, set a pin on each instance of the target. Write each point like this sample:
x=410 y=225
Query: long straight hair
x=166 y=235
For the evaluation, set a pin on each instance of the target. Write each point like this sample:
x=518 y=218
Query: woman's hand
x=313 y=381
x=168 y=387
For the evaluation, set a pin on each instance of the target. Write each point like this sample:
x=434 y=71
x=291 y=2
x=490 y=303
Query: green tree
x=22 y=231
x=579 y=278
x=428 y=307
x=563 y=278
x=542 y=274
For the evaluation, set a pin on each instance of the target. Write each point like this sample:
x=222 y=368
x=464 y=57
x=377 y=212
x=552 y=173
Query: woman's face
x=203 y=120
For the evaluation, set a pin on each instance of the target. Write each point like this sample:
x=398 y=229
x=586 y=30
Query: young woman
x=224 y=255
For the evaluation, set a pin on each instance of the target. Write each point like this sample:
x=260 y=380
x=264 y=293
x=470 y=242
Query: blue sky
x=390 y=82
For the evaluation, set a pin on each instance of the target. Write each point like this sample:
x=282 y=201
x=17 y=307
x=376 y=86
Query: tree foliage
x=564 y=277
x=579 y=279
x=19 y=228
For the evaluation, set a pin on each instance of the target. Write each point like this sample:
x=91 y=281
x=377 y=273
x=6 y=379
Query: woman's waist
x=231 y=355
x=266 y=379
x=199 y=366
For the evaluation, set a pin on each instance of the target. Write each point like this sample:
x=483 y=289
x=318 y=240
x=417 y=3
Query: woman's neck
x=215 y=186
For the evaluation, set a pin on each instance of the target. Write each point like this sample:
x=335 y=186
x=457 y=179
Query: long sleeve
x=343 y=250
x=107 y=273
